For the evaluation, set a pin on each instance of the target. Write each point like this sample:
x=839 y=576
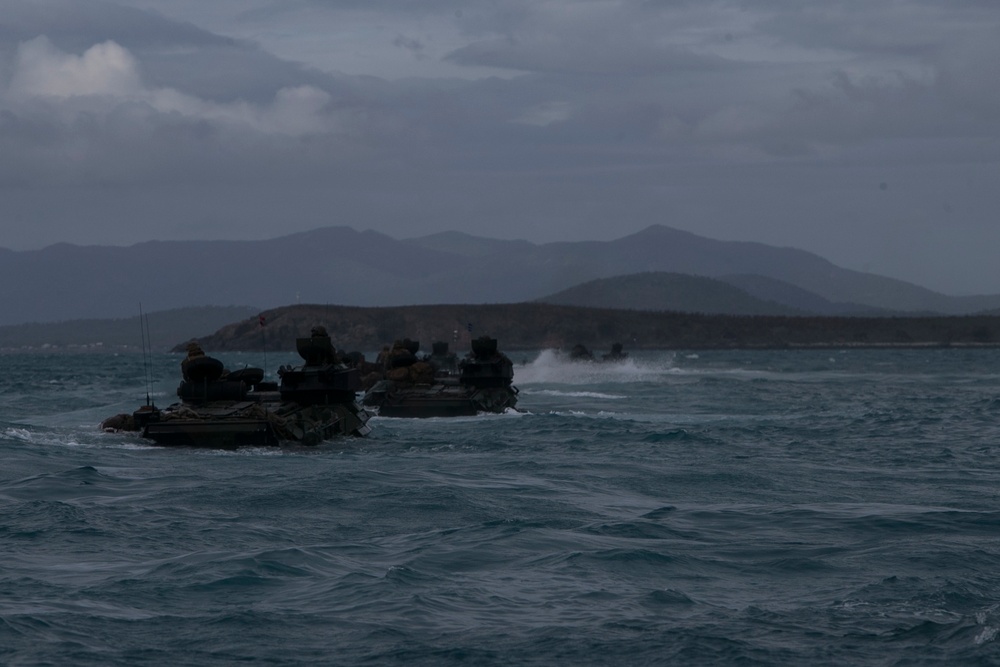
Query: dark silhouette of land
x=537 y=326
x=517 y=326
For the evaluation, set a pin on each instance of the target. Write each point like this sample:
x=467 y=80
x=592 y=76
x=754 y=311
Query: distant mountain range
x=668 y=291
x=339 y=265
x=731 y=295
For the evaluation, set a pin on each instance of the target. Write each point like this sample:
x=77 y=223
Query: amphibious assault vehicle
x=313 y=402
x=441 y=385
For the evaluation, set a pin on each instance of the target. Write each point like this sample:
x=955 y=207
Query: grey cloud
x=268 y=10
x=913 y=28
x=753 y=121
x=605 y=38
x=76 y=26
x=172 y=54
x=582 y=56
x=410 y=44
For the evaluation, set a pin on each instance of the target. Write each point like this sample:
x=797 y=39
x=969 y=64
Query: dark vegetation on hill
x=536 y=326
x=517 y=326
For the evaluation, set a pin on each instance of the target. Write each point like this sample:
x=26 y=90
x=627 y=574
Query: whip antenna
x=263 y=340
x=149 y=356
x=144 y=331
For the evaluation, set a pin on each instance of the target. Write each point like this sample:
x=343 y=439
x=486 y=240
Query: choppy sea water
x=754 y=508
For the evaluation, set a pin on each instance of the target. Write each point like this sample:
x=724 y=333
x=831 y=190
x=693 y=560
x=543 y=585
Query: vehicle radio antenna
x=146 y=353
x=263 y=339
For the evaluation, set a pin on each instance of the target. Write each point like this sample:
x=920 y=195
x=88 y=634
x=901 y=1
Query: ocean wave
x=574 y=394
x=552 y=367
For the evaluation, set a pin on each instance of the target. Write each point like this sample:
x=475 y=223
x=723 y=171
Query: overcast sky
x=866 y=132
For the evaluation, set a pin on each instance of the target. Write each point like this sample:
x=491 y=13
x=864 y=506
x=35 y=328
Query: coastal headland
x=537 y=326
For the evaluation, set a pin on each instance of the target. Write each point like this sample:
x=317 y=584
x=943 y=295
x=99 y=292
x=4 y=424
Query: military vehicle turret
x=579 y=352
x=616 y=353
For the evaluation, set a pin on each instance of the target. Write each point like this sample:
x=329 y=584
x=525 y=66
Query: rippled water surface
x=756 y=508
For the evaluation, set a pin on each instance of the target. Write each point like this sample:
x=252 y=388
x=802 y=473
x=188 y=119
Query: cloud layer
x=866 y=132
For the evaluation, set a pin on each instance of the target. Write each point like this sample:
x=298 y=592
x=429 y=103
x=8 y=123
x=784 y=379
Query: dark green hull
x=222 y=425
x=440 y=400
